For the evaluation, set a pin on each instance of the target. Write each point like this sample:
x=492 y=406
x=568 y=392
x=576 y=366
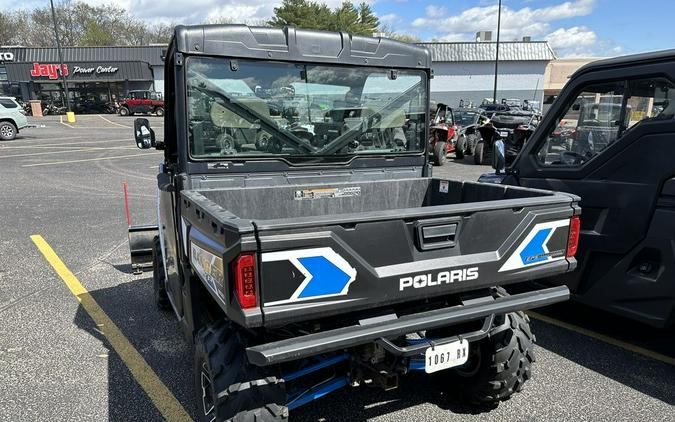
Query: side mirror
x=576 y=107
x=144 y=136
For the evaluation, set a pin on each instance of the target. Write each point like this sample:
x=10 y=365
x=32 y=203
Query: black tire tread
x=507 y=356
x=460 y=147
x=244 y=392
x=439 y=153
x=482 y=155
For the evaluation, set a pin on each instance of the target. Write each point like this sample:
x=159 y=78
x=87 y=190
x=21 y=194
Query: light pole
x=499 y=24
x=58 y=48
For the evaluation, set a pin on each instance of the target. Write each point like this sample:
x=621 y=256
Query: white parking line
x=90 y=159
x=111 y=122
x=89 y=149
x=59 y=145
x=65 y=124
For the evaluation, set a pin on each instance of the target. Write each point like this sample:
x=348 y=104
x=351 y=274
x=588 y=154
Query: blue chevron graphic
x=534 y=251
x=327 y=278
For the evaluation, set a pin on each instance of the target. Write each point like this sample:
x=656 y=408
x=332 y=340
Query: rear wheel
x=470 y=143
x=124 y=111
x=7 y=131
x=159 y=277
x=159 y=111
x=440 y=153
x=460 y=147
x=227 y=386
x=498 y=365
x=482 y=154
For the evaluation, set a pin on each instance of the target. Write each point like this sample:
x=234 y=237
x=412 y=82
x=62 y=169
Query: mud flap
x=140 y=246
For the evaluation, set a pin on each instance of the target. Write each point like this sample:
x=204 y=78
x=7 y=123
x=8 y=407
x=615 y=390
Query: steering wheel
x=572 y=158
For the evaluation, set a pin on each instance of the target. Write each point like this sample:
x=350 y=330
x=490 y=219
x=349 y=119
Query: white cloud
x=579 y=41
x=576 y=36
x=514 y=24
x=435 y=11
x=537 y=22
x=390 y=19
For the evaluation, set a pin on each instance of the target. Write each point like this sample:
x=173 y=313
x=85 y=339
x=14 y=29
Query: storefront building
x=95 y=75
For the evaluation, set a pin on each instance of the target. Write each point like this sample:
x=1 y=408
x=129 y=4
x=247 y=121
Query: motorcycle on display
x=111 y=107
x=25 y=106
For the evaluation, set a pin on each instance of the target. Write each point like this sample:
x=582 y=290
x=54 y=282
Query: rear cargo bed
x=302 y=201
x=341 y=247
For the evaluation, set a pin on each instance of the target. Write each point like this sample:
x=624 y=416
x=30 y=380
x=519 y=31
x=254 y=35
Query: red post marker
x=126 y=202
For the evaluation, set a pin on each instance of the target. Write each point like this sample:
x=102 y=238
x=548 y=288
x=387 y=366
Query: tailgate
x=336 y=264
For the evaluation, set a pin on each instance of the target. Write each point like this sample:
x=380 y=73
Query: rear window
x=7 y=103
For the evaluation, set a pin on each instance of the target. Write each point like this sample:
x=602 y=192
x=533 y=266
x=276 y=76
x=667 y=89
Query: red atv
x=142 y=102
x=442 y=134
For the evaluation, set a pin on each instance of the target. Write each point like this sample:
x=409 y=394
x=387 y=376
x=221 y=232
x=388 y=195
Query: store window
x=3 y=73
x=603 y=113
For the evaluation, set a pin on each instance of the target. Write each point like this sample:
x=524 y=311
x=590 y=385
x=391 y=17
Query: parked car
x=142 y=102
x=616 y=152
x=467 y=122
x=12 y=118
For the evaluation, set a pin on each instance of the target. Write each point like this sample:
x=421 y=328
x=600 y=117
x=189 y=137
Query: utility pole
x=58 y=48
x=499 y=24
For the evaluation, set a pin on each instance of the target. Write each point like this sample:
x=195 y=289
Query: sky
x=574 y=28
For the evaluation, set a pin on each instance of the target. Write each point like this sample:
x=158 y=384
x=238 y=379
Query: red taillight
x=573 y=239
x=244 y=280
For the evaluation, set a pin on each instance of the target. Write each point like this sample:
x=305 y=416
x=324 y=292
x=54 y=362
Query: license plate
x=503 y=134
x=446 y=356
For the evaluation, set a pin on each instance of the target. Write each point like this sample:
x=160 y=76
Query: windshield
x=466 y=118
x=254 y=108
x=604 y=114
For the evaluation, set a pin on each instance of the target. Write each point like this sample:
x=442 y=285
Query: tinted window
x=603 y=113
x=285 y=109
x=7 y=103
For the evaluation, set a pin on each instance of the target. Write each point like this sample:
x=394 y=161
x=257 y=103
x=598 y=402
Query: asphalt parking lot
x=63 y=182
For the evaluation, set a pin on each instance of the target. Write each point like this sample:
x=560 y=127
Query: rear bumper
x=341 y=338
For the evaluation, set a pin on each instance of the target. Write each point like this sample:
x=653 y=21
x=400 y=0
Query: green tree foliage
x=312 y=15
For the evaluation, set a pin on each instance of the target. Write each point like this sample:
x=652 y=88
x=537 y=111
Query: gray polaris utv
x=609 y=139
x=303 y=244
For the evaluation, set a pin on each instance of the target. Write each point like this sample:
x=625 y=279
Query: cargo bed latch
x=435 y=234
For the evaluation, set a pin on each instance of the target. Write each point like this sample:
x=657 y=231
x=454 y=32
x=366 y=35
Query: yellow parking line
x=89 y=159
x=111 y=122
x=604 y=338
x=159 y=394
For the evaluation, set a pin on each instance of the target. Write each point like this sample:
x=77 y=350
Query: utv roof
x=294 y=44
x=652 y=57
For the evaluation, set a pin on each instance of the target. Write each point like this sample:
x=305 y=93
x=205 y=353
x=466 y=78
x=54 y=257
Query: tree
x=96 y=35
x=312 y=15
x=367 y=18
x=390 y=33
